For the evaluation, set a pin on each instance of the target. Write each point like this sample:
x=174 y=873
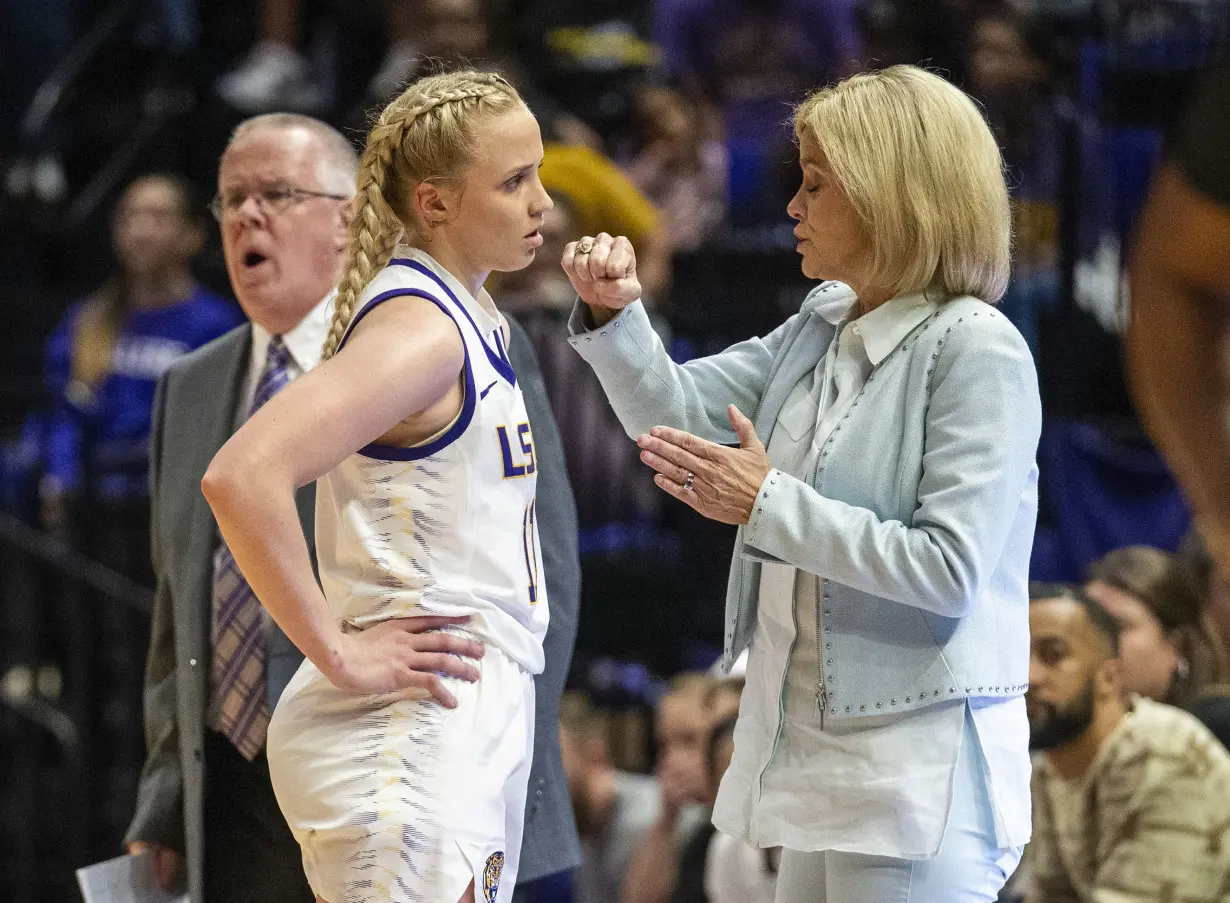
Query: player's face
x=502 y=204
x=830 y=234
x=282 y=258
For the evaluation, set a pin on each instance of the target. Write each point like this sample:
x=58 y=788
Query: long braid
x=374 y=233
x=375 y=228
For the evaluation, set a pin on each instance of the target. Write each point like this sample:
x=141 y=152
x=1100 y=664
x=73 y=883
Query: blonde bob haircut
x=924 y=174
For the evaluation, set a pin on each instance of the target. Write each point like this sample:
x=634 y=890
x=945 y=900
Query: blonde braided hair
x=425 y=133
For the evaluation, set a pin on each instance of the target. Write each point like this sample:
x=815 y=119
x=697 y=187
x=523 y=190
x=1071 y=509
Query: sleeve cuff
x=621 y=341
x=581 y=320
x=760 y=524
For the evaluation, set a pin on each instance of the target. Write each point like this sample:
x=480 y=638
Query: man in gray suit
x=283 y=204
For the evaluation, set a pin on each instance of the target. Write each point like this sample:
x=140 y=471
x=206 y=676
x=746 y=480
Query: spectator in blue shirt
x=104 y=359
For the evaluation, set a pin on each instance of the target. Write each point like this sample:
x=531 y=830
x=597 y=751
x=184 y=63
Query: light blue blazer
x=919 y=519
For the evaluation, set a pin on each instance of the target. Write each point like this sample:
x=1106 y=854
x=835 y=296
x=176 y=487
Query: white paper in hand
x=128 y=879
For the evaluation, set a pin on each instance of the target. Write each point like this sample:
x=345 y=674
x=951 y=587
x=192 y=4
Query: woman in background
x=1169 y=648
x=104 y=358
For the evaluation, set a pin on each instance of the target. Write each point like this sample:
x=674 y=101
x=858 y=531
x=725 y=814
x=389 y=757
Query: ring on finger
x=690 y=481
x=586 y=245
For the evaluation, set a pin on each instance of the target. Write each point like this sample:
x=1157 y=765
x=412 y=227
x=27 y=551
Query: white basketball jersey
x=448 y=527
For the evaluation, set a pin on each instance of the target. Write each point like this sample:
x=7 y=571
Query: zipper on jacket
x=822 y=690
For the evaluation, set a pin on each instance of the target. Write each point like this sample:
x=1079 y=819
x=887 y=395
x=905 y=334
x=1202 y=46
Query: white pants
x=968 y=869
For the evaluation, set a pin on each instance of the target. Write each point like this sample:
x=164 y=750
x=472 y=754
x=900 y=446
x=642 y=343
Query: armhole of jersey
x=499 y=357
x=414 y=453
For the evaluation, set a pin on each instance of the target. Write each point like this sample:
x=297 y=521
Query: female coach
x=880 y=573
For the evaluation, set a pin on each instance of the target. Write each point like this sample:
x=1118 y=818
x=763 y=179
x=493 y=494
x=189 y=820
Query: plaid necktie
x=240 y=705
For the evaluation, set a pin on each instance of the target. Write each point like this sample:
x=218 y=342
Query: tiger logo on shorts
x=491 y=875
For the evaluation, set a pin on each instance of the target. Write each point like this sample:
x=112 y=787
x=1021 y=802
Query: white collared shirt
x=879 y=785
x=304 y=343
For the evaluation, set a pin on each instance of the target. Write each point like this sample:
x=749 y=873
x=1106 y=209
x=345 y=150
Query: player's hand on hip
x=406 y=653
x=602 y=269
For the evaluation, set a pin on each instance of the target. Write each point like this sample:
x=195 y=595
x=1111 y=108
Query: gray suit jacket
x=194 y=414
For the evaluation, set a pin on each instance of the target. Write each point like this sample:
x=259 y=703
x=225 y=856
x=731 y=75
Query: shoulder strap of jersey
x=497 y=356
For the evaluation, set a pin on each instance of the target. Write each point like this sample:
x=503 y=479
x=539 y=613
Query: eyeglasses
x=273 y=198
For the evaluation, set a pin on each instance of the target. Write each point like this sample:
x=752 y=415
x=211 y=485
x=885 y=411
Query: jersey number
x=529 y=541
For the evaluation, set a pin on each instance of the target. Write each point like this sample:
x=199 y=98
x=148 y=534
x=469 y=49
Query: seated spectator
x=714 y=867
x=439 y=35
x=681 y=731
x=754 y=60
x=1211 y=704
x=447 y=32
x=889 y=38
x=679 y=165
x=1131 y=797
x=614 y=809
x=105 y=357
x=589 y=54
x=1168 y=649
x=274 y=75
x=682 y=723
x=1011 y=73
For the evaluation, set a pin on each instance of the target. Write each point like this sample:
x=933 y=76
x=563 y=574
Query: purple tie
x=240 y=704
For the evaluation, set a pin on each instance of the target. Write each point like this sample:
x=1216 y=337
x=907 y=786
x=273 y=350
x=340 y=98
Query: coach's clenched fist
x=603 y=272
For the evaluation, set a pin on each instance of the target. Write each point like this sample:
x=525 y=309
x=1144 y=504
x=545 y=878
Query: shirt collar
x=304 y=342
x=884 y=328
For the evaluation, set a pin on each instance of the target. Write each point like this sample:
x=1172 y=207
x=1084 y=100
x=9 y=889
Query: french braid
x=426 y=132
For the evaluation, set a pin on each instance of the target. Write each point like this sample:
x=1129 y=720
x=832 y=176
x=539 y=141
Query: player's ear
x=435 y=202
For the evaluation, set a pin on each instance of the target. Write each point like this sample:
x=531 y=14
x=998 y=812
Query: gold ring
x=586 y=245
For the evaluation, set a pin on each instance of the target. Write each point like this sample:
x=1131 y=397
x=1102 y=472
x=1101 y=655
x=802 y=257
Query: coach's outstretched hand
x=602 y=269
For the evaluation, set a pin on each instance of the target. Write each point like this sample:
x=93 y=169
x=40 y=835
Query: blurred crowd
x=665 y=121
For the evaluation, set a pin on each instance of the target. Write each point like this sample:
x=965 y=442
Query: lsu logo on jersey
x=491 y=876
x=518 y=462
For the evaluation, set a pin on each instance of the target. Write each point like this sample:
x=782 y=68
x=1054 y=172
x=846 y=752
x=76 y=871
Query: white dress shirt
x=304 y=343
x=880 y=785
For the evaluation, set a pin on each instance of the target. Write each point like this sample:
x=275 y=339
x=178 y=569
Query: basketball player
x=415 y=428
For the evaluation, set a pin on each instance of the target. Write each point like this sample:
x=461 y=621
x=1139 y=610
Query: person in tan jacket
x=1131 y=798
